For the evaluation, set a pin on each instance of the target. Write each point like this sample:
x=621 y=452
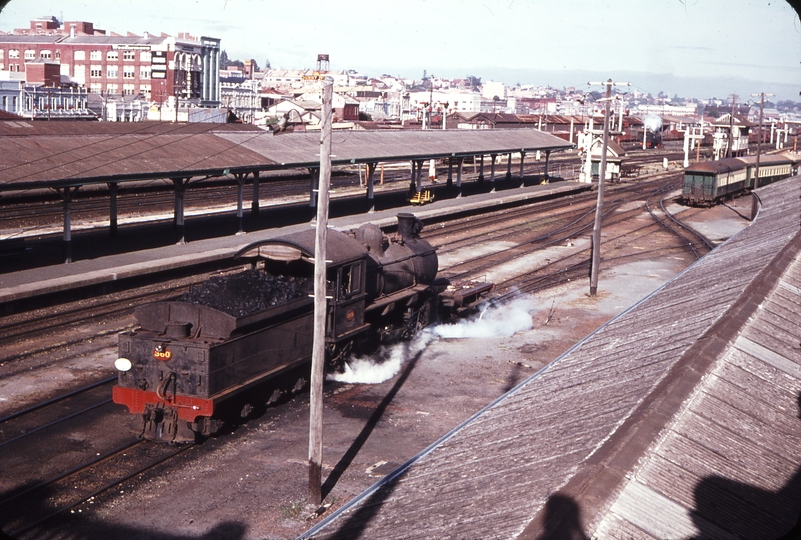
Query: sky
x=690 y=48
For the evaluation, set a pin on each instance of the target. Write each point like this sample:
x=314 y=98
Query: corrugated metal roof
x=581 y=426
x=61 y=153
x=367 y=146
x=65 y=153
x=37 y=38
x=116 y=40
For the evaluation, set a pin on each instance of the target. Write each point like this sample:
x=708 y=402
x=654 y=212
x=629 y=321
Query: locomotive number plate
x=162 y=354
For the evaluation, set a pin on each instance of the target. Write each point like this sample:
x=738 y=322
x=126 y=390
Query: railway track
x=29 y=511
x=52 y=486
x=546 y=272
x=695 y=241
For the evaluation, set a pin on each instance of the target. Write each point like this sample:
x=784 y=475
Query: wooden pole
x=320 y=305
x=759 y=137
x=596 y=231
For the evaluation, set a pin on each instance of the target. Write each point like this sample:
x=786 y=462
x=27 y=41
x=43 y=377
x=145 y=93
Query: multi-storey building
x=159 y=68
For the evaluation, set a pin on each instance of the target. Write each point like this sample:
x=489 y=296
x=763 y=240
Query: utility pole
x=596 y=230
x=759 y=137
x=320 y=304
x=730 y=149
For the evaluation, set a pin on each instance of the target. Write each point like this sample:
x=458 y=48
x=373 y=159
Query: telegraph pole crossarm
x=596 y=231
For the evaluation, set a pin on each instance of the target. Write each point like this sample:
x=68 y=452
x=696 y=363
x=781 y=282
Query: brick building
x=159 y=68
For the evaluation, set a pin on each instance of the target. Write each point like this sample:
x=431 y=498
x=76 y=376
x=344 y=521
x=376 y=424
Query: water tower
x=322 y=63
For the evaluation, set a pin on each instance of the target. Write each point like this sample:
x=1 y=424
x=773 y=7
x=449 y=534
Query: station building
x=159 y=68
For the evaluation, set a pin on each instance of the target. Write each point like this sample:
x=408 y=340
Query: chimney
x=409 y=226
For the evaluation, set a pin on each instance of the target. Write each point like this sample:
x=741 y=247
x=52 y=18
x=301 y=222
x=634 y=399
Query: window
x=30 y=54
x=144 y=56
x=45 y=54
x=144 y=89
x=144 y=72
x=112 y=55
x=58 y=55
x=112 y=72
x=2 y=52
x=2 y=67
x=80 y=55
x=129 y=72
x=112 y=89
x=127 y=89
x=129 y=55
x=95 y=55
x=95 y=88
x=350 y=280
x=13 y=53
x=5 y=103
x=96 y=71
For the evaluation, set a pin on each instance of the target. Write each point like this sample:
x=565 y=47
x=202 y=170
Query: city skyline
x=701 y=49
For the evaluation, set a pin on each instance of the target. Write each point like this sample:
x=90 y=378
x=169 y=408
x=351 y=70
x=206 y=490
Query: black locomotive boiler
x=229 y=337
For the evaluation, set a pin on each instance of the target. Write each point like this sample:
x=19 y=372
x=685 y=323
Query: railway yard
x=72 y=468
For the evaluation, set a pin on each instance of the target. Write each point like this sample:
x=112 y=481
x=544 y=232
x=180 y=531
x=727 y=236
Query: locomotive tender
x=709 y=182
x=192 y=357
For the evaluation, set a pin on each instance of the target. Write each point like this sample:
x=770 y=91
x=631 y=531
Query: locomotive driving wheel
x=414 y=320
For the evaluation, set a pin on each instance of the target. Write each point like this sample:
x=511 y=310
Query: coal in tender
x=247 y=293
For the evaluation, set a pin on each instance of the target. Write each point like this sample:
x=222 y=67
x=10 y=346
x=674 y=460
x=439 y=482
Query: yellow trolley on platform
x=422 y=197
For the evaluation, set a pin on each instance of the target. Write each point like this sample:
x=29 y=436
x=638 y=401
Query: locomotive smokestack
x=409 y=226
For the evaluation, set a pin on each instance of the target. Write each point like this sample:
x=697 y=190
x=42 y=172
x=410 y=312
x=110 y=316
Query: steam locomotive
x=193 y=357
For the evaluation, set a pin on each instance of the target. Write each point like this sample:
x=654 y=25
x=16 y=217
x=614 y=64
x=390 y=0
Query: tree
x=267 y=64
x=473 y=81
x=223 y=59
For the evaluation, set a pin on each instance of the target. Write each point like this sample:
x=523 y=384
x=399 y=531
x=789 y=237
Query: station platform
x=26 y=284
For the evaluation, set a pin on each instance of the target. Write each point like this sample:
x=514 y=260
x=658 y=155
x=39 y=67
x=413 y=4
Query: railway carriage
x=709 y=182
x=194 y=358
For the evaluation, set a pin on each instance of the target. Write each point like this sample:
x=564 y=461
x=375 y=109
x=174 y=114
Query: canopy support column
x=67 y=195
x=481 y=170
x=254 y=204
x=371 y=166
x=492 y=170
x=547 y=157
x=112 y=209
x=240 y=188
x=178 y=215
x=314 y=173
x=509 y=167
x=522 y=174
x=450 y=173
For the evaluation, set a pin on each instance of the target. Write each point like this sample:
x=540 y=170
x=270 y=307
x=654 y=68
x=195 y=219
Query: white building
x=490 y=89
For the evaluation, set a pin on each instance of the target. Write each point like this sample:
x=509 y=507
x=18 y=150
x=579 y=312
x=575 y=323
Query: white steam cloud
x=652 y=122
x=384 y=364
x=501 y=320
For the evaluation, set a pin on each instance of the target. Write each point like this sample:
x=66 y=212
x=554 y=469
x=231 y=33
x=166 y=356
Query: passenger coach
x=710 y=182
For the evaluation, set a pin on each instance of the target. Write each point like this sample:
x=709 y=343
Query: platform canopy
x=63 y=153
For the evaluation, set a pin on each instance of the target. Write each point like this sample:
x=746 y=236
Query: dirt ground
x=252 y=483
